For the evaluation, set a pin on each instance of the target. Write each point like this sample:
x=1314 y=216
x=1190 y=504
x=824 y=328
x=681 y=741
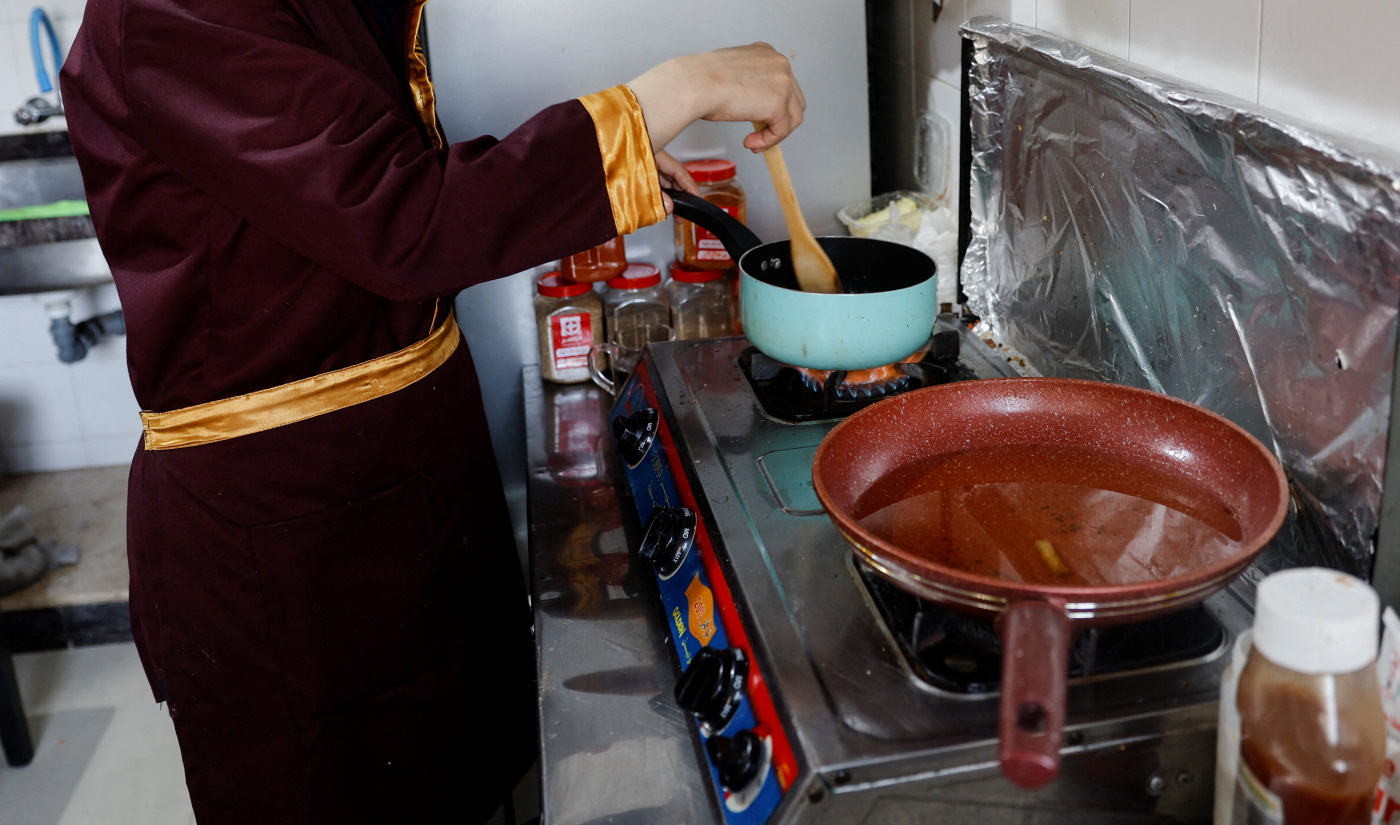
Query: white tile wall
x=43 y=458
x=38 y=401
x=110 y=452
x=1333 y=65
x=937 y=47
x=102 y=389
x=1021 y=12
x=54 y=416
x=1168 y=36
x=1098 y=24
x=24 y=333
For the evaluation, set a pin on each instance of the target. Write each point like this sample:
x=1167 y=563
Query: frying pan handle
x=1035 y=639
x=736 y=237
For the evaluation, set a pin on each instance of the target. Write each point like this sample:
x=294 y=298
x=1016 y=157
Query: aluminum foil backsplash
x=1129 y=228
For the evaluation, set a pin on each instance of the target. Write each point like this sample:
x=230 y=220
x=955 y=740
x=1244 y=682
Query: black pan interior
x=864 y=264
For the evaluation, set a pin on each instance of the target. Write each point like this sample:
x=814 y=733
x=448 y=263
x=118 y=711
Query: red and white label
x=570 y=338
x=707 y=246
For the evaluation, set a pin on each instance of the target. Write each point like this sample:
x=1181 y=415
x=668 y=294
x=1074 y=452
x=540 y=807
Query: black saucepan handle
x=736 y=237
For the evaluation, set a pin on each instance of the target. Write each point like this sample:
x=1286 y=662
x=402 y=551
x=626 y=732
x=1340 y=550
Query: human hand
x=743 y=83
x=673 y=175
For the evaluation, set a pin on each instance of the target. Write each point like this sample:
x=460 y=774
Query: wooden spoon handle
x=810 y=263
x=787 y=198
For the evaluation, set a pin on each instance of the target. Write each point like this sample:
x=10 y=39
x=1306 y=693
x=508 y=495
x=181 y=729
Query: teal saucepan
x=884 y=313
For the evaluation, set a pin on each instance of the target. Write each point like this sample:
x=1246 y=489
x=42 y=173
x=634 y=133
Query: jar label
x=570 y=338
x=707 y=246
x=1254 y=803
x=702 y=624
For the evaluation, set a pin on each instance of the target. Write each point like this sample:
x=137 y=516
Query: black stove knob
x=635 y=434
x=669 y=535
x=713 y=685
x=737 y=758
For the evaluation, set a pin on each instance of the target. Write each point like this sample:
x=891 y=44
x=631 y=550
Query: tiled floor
x=105 y=753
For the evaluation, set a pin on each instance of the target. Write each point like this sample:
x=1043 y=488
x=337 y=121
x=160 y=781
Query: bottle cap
x=1314 y=620
x=554 y=285
x=710 y=170
x=695 y=276
x=636 y=276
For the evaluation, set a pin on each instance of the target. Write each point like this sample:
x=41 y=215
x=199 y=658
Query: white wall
x=1333 y=65
x=55 y=416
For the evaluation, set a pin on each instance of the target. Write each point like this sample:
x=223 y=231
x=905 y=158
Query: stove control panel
x=737 y=758
x=713 y=686
x=668 y=539
x=748 y=756
x=635 y=434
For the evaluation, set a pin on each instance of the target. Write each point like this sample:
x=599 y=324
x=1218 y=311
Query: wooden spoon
x=814 y=270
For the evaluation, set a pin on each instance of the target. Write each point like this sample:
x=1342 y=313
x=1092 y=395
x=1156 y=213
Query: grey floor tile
x=131 y=774
x=39 y=793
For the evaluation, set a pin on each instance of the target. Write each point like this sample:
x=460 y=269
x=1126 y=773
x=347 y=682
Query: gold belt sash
x=299 y=400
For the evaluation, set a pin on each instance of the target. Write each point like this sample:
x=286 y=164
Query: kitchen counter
x=615 y=747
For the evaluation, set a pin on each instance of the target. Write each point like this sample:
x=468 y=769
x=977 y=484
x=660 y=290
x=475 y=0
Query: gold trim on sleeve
x=424 y=98
x=299 y=400
x=629 y=164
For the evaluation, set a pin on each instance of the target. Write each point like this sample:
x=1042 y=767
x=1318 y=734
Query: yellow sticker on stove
x=702 y=610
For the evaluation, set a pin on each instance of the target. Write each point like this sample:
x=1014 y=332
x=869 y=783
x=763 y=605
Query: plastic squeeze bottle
x=1312 y=733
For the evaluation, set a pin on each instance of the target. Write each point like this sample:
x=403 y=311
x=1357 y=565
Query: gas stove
x=821 y=692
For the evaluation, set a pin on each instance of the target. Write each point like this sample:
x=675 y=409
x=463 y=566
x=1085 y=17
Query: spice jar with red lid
x=697 y=247
x=701 y=302
x=569 y=321
x=635 y=298
x=602 y=262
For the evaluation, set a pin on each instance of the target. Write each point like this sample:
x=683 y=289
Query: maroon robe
x=331 y=609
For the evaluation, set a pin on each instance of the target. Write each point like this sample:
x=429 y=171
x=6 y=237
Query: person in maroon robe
x=324 y=588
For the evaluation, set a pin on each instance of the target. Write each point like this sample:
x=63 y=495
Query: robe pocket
x=348 y=593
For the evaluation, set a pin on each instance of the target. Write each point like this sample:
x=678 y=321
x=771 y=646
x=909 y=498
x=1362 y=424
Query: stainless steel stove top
x=868 y=729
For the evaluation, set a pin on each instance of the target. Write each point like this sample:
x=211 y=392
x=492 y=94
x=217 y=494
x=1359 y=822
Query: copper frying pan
x=1093 y=441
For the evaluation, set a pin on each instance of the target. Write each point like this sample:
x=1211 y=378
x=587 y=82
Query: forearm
x=667 y=96
x=742 y=84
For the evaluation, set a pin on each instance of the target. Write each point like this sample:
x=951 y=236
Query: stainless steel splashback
x=1126 y=227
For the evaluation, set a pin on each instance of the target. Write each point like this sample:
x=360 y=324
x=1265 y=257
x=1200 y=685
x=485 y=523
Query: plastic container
x=601 y=263
x=635 y=298
x=1312 y=732
x=697 y=247
x=1387 y=805
x=569 y=321
x=893 y=216
x=702 y=302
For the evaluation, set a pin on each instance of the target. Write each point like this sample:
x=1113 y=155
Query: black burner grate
x=962 y=654
x=786 y=396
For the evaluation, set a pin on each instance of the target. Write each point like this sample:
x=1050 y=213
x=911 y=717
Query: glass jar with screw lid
x=635 y=298
x=702 y=303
